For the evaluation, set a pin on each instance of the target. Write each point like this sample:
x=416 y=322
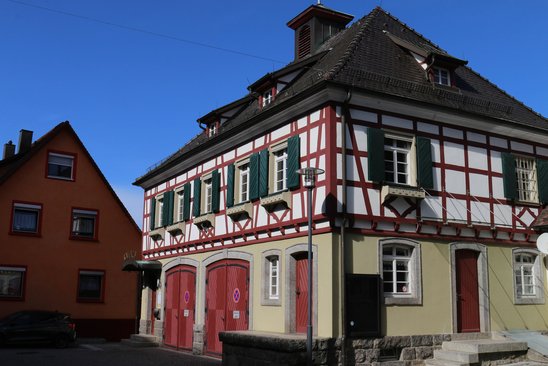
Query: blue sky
x=133 y=96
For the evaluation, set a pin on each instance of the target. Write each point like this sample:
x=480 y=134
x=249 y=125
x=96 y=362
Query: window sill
x=271 y=302
x=388 y=191
x=527 y=203
x=83 y=238
x=529 y=301
x=177 y=228
x=205 y=220
x=61 y=178
x=157 y=234
x=242 y=209
x=24 y=233
x=7 y=298
x=270 y=202
x=91 y=301
x=402 y=300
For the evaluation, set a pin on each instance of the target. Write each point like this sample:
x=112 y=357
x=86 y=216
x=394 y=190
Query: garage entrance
x=180 y=300
x=227 y=300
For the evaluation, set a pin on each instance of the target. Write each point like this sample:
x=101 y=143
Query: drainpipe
x=342 y=266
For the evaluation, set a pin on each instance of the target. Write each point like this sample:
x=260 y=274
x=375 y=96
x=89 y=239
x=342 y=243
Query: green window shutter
x=263 y=173
x=170 y=206
x=542 y=179
x=230 y=186
x=186 y=204
x=254 y=176
x=425 y=176
x=197 y=197
x=509 y=176
x=375 y=154
x=293 y=161
x=152 y=217
x=216 y=188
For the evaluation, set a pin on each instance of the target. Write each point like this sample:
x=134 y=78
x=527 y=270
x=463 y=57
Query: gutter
x=345 y=111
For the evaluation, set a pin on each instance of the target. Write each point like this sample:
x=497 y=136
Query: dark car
x=38 y=327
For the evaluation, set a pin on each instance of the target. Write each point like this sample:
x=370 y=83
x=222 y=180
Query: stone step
x=144 y=338
x=139 y=344
x=465 y=357
x=485 y=346
x=434 y=362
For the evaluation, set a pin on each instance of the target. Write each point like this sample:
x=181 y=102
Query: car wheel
x=61 y=341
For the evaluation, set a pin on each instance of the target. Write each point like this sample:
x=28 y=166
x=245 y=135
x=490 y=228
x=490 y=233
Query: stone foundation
x=261 y=348
x=198 y=339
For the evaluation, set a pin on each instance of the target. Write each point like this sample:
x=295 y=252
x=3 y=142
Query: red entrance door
x=227 y=297
x=179 y=307
x=466 y=262
x=301 y=290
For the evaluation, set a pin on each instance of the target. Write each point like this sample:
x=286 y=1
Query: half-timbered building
x=422 y=222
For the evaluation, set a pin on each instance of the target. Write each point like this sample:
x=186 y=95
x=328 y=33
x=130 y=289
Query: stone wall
x=255 y=348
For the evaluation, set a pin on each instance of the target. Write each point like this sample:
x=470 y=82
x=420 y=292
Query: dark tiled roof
x=363 y=56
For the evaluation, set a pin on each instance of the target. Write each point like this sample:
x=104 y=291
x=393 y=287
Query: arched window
x=400 y=269
x=528 y=277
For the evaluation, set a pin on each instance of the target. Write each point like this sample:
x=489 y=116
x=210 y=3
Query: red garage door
x=227 y=297
x=179 y=309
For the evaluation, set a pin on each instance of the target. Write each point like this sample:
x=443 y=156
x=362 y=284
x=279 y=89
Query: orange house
x=63 y=236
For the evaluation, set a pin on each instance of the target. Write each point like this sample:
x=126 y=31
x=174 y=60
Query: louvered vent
x=304 y=42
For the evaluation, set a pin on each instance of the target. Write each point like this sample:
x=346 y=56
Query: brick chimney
x=25 y=141
x=9 y=150
x=314 y=26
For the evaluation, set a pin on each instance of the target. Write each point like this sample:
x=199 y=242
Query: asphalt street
x=106 y=354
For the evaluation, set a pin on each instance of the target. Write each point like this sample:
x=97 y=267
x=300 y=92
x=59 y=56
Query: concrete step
x=144 y=338
x=464 y=357
x=434 y=362
x=485 y=346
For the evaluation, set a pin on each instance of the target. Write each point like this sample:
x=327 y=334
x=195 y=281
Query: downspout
x=342 y=266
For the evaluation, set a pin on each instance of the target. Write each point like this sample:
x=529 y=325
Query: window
x=12 y=282
x=399 y=263
x=244 y=182
x=91 y=285
x=528 y=277
x=267 y=97
x=526 y=177
x=280 y=170
x=160 y=212
x=397 y=159
x=271 y=278
x=208 y=196
x=84 y=224
x=180 y=205
x=442 y=76
x=60 y=166
x=26 y=218
x=213 y=129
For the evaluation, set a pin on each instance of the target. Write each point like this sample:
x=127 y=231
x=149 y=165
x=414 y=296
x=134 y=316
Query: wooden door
x=227 y=296
x=179 y=309
x=466 y=262
x=301 y=291
x=187 y=300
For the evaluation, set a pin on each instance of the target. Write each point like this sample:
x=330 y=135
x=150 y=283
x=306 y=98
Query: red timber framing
x=393 y=219
x=227 y=301
x=285 y=222
x=180 y=307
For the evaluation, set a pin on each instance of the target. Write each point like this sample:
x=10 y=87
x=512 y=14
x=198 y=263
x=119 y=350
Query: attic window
x=212 y=129
x=442 y=76
x=267 y=97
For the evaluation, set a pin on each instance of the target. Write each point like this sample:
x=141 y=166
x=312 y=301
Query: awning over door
x=150 y=271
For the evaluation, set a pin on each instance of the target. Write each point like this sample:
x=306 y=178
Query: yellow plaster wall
x=504 y=313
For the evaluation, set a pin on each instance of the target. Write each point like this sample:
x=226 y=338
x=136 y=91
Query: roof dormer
x=314 y=26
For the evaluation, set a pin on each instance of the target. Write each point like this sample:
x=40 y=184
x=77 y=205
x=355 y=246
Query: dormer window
x=267 y=97
x=442 y=76
x=212 y=129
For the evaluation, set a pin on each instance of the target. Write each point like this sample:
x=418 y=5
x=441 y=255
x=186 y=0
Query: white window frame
x=526 y=179
x=80 y=213
x=4 y=281
x=438 y=75
x=179 y=204
x=270 y=297
x=414 y=295
x=410 y=160
x=537 y=297
x=268 y=96
x=213 y=129
x=28 y=208
x=280 y=156
x=65 y=156
x=159 y=211
x=207 y=184
x=243 y=193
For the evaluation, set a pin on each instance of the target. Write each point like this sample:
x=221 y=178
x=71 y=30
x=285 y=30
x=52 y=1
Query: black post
x=310 y=259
